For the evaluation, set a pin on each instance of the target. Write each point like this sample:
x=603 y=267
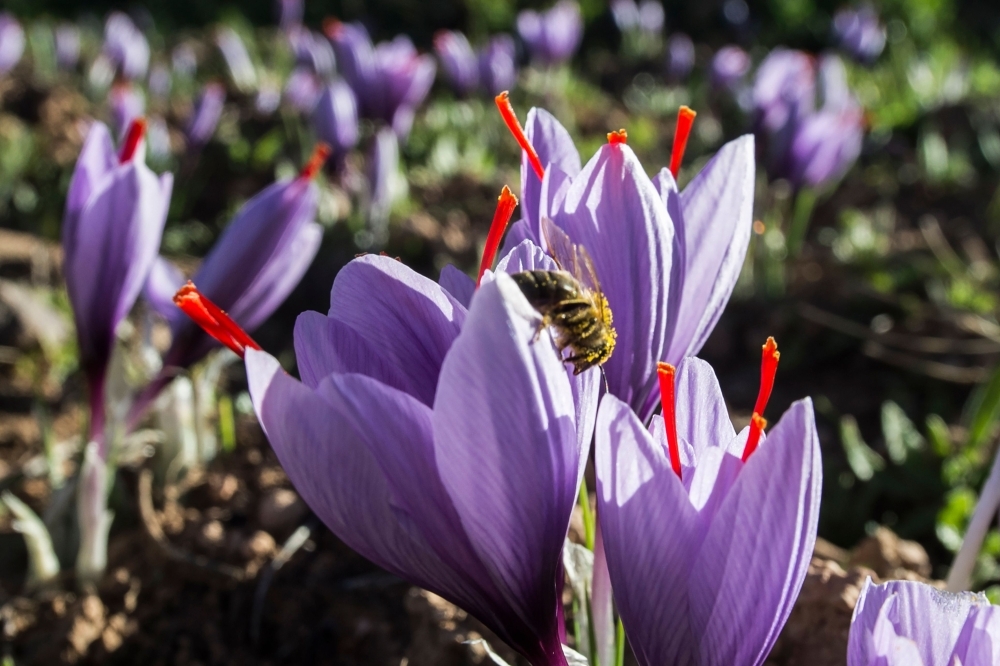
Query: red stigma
x=666 y=374
x=619 y=137
x=136 y=131
x=505 y=208
x=768 y=369
x=316 y=162
x=332 y=27
x=213 y=320
x=685 y=119
x=510 y=119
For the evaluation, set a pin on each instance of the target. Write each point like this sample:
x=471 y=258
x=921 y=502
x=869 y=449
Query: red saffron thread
x=768 y=369
x=136 y=131
x=685 y=119
x=510 y=119
x=667 y=373
x=316 y=162
x=332 y=27
x=501 y=218
x=615 y=138
x=757 y=425
x=213 y=320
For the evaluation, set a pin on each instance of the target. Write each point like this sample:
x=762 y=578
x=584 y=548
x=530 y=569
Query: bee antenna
x=604 y=376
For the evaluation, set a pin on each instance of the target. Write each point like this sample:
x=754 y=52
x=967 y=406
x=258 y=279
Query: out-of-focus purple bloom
x=115 y=211
x=160 y=81
x=207 y=111
x=390 y=80
x=268 y=97
x=553 y=36
x=625 y=14
x=825 y=145
x=252 y=268
x=729 y=65
x=706 y=567
x=312 y=51
x=67 y=37
x=457 y=60
x=905 y=623
x=647 y=16
x=11 y=42
x=497 y=69
x=125 y=46
x=335 y=117
x=302 y=89
x=651 y=17
x=667 y=260
x=859 y=32
x=184 y=60
x=449 y=453
x=785 y=88
x=237 y=58
x=383 y=172
x=127 y=103
x=834 y=92
x=290 y=13
x=680 y=56
x=158 y=138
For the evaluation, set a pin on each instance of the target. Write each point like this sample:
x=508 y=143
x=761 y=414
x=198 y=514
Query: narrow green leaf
x=901 y=436
x=983 y=410
x=863 y=460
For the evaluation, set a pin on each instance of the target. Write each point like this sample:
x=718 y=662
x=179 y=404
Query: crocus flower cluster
x=810 y=125
x=905 y=623
x=552 y=36
x=491 y=69
x=314 y=65
x=390 y=79
x=647 y=16
x=125 y=47
x=859 y=32
x=680 y=57
x=11 y=42
x=729 y=65
x=205 y=117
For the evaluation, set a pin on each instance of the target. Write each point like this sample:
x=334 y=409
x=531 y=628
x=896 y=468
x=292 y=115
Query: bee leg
x=542 y=325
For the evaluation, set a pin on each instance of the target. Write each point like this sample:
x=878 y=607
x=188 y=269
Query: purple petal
x=613 y=209
x=556 y=149
x=163 y=282
x=457 y=60
x=825 y=145
x=96 y=161
x=207 y=112
x=497 y=68
x=508 y=450
x=335 y=117
x=753 y=560
x=526 y=257
x=11 y=42
x=458 y=284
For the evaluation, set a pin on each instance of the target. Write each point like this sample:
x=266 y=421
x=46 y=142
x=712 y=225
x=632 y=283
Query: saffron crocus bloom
x=905 y=623
x=237 y=58
x=497 y=69
x=784 y=88
x=125 y=47
x=825 y=145
x=457 y=60
x=667 y=260
x=390 y=80
x=205 y=117
x=707 y=553
x=335 y=117
x=11 y=42
x=290 y=13
x=251 y=269
x=115 y=211
x=67 y=37
x=448 y=453
x=729 y=65
x=860 y=33
x=680 y=56
x=552 y=36
x=314 y=65
x=126 y=103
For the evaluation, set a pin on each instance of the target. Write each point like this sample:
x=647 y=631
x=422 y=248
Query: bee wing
x=572 y=258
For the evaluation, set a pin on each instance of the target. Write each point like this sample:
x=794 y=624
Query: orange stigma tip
x=136 y=131
x=685 y=119
x=213 y=320
x=615 y=138
x=316 y=162
x=667 y=374
x=757 y=425
x=510 y=119
x=768 y=368
x=506 y=204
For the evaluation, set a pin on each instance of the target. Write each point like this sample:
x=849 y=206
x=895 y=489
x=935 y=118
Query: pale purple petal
x=457 y=60
x=458 y=284
x=335 y=117
x=163 y=282
x=11 y=42
x=96 y=161
x=556 y=149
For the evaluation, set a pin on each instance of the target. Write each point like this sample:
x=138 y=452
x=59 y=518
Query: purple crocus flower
x=497 y=69
x=905 y=623
x=680 y=56
x=390 y=80
x=237 y=58
x=11 y=42
x=290 y=13
x=729 y=65
x=67 y=37
x=160 y=81
x=626 y=14
x=207 y=111
x=302 y=90
x=335 y=117
x=125 y=46
x=115 y=211
x=255 y=264
x=825 y=145
x=449 y=453
x=784 y=89
x=646 y=16
x=126 y=103
x=312 y=51
x=553 y=36
x=457 y=60
x=707 y=549
x=667 y=260
x=158 y=136
x=859 y=32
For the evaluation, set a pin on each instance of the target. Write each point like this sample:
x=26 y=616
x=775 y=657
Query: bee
x=570 y=300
